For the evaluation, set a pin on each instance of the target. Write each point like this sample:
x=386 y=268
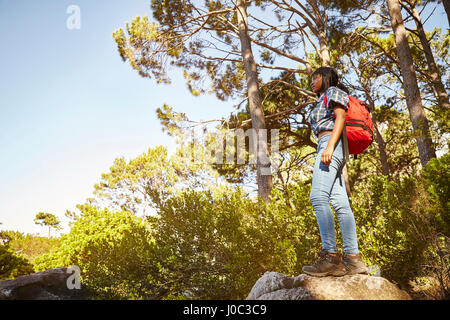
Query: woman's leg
x=341 y=205
x=322 y=184
x=339 y=200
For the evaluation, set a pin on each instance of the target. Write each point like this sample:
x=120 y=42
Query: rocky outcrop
x=46 y=285
x=277 y=286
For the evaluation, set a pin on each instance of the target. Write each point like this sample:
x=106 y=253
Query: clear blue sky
x=69 y=106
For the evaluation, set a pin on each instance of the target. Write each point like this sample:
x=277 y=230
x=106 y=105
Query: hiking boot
x=354 y=264
x=326 y=265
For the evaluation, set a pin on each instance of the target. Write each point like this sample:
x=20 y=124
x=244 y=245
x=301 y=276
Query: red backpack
x=359 y=126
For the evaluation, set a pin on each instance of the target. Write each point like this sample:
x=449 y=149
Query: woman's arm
x=338 y=127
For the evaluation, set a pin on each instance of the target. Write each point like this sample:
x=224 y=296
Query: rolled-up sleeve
x=338 y=96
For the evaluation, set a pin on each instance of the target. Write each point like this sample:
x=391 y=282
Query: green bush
x=215 y=244
x=113 y=251
x=6 y=236
x=399 y=221
x=437 y=177
x=12 y=265
x=31 y=246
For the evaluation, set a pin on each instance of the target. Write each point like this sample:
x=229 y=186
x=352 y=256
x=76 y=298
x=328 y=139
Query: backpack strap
x=345 y=143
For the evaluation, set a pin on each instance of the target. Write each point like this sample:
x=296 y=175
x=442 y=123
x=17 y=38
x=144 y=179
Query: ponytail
x=341 y=86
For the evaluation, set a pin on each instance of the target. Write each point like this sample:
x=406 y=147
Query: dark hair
x=330 y=78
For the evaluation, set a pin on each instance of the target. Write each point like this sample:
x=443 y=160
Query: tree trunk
x=436 y=81
x=381 y=149
x=324 y=52
x=346 y=180
x=446 y=4
x=412 y=93
x=379 y=139
x=263 y=178
x=320 y=21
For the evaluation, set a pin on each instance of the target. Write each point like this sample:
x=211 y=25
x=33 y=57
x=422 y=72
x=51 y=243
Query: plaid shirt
x=321 y=118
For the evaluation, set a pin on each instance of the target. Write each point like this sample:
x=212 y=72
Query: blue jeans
x=328 y=186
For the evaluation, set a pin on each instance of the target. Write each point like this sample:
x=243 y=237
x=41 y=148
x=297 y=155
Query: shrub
x=437 y=177
x=399 y=221
x=215 y=244
x=31 y=246
x=12 y=265
x=113 y=251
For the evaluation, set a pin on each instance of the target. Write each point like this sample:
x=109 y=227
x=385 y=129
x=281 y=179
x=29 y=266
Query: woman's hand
x=326 y=155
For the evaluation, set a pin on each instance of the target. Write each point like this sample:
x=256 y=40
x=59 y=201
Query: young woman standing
x=328 y=184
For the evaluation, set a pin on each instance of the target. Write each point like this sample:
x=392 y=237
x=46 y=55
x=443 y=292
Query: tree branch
x=285 y=54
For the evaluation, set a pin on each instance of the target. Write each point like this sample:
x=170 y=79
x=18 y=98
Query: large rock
x=277 y=286
x=46 y=285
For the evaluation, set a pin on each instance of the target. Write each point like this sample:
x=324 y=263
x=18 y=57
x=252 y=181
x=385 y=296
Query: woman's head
x=325 y=77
